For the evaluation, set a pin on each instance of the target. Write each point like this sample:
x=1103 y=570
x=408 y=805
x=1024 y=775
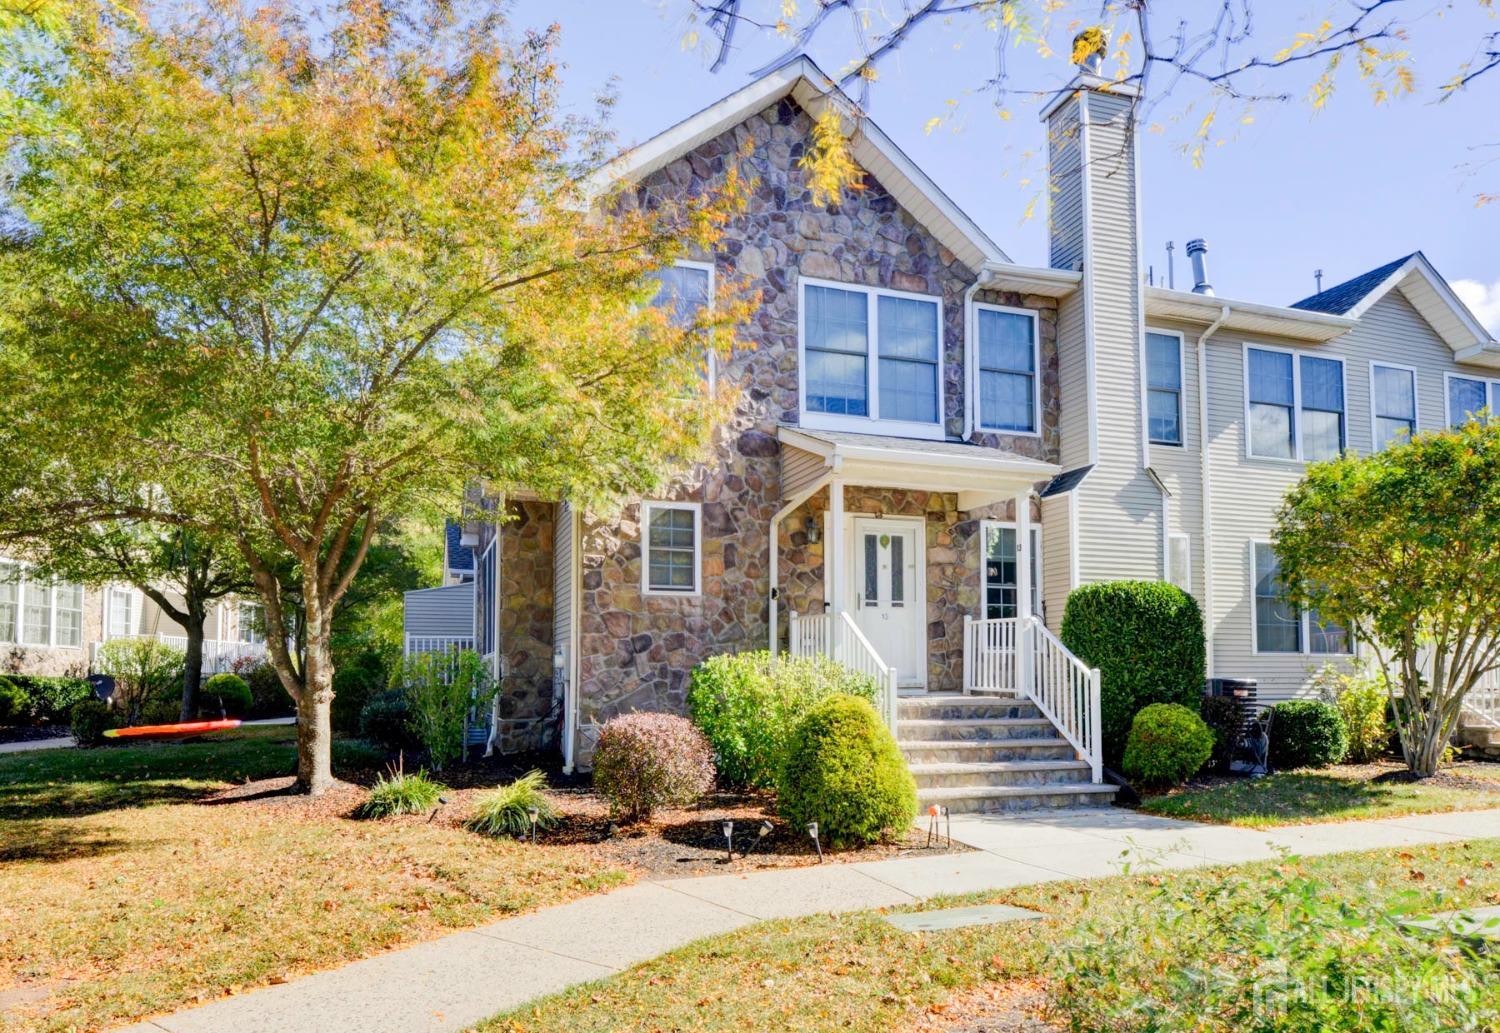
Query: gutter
x=971 y=350
x=1204 y=465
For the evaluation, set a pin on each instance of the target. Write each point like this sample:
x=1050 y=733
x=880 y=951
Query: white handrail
x=837 y=637
x=1066 y=691
x=990 y=654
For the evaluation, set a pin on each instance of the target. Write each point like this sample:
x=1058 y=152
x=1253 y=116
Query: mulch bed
x=33 y=733
x=681 y=841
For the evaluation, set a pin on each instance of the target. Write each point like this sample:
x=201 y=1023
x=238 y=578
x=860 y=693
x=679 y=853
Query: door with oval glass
x=889 y=593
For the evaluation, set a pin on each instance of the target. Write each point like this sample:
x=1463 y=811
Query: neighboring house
x=935 y=444
x=57 y=628
x=458 y=557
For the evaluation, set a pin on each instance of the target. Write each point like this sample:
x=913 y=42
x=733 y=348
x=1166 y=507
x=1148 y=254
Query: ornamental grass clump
x=647 y=761
x=400 y=793
x=507 y=810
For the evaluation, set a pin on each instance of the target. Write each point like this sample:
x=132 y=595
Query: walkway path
x=451 y=983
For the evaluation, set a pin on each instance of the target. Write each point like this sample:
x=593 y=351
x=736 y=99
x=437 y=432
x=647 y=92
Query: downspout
x=795 y=501
x=1204 y=467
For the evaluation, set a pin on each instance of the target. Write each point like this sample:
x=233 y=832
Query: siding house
x=934 y=444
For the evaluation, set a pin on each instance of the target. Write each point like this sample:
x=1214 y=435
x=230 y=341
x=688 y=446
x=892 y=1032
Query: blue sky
x=1343 y=189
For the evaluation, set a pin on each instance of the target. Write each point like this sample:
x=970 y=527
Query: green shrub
x=356 y=679
x=226 y=693
x=1168 y=744
x=15 y=703
x=1307 y=733
x=440 y=690
x=400 y=793
x=268 y=697
x=142 y=668
x=386 y=721
x=844 y=771
x=53 y=697
x=357 y=755
x=646 y=761
x=507 y=810
x=89 y=720
x=1363 y=698
x=1146 y=638
x=160 y=710
x=747 y=706
x=1225 y=718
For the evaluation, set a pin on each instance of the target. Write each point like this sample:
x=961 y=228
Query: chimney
x=1198 y=252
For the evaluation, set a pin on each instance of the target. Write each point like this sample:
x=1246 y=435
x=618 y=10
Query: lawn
x=135 y=880
x=855 y=972
x=1339 y=793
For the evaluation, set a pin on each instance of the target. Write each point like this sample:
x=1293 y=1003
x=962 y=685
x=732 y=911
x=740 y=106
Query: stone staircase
x=1480 y=736
x=991 y=752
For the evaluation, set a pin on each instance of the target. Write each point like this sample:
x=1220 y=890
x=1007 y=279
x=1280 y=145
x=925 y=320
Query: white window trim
x=872 y=424
x=1491 y=386
x=240 y=605
x=1146 y=388
x=647 y=508
x=972 y=361
x=22 y=584
x=134 y=596
x=1304 y=615
x=713 y=360
x=1416 y=400
x=1296 y=353
x=1036 y=582
x=1187 y=586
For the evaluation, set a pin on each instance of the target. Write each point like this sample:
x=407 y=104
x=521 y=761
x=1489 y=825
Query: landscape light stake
x=442 y=802
x=760 y=834
x=812 y=830
x=729 y=839
x=535 y=815
x=934 y=812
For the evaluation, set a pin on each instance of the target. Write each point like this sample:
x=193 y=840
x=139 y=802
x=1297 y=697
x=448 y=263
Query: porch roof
x=978 y=474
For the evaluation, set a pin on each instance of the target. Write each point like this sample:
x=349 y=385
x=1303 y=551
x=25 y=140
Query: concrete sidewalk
x=453 y=982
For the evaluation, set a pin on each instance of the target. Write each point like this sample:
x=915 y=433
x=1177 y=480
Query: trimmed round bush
x=646 y=761
x=748 y=706
x=89 y=720
x=844 y=771
x=1146 y=638
x=1307 y=733
x=15 y=703
x=228 y=692
x=1168 y=744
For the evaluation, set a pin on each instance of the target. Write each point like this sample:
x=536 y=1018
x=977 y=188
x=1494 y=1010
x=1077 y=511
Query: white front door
x=888 y=593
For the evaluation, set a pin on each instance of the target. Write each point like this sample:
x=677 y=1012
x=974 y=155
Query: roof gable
x=802 y=81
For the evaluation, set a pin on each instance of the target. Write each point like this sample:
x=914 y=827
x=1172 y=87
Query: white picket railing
x=219 y=655
x=1483 y=701
x=1020 y=655
x=837 y=637
x=419 y=644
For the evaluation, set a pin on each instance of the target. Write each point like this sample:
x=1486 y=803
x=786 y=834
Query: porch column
x=833 y=548
x=1024 y=644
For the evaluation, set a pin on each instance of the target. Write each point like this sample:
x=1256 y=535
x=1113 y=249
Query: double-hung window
x=1393 y=403
x=1164 y=388
x=871 y=355
x=1470 y=396
x=123 y=619
x=251 y=620
x=672 y=548
x=1281 y=626
x=1294 y=405
x=10 y=601
x=1008 y=361
x=687 y=288
x=38 y=613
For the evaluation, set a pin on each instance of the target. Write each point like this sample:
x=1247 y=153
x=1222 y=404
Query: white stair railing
x=837 y=637
x=1066 y=691
x=990 y=654
x=1482 y=704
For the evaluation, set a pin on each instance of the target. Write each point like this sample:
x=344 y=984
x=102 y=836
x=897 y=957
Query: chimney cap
x=1197 y=246
x=1089 y=47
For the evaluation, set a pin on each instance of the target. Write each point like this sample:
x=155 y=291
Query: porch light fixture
x=812 y=830
x=728 y=828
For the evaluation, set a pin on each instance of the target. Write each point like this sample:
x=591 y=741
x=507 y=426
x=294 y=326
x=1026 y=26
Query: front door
x=888 y=593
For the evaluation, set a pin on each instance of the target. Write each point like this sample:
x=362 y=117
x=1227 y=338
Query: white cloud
x=1483 y=301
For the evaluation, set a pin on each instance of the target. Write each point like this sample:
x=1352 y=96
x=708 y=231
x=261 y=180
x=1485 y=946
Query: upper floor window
x=1164 y=388
x=1295 y=405
x=1280 y=626
x=251 y=620
x=35 y=613
x=1393 y=403
x=1007 y=361
x=687 y=288
x=123 y=617
x=870 y=354
x=1470 y=396
x=671 y=548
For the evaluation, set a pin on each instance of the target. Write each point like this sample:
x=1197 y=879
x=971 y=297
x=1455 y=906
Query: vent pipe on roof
x=1198 y=253
x=1088 y=50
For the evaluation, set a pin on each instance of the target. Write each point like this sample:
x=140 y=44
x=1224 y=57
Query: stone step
x=1000 y=773
x=964 y=708
x=969 y=729
x=993 y=799
x=986 y=751
x=1482 y=736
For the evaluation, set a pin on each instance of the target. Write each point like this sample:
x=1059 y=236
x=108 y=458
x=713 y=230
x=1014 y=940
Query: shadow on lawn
x=49 y=841
x=1287 y=795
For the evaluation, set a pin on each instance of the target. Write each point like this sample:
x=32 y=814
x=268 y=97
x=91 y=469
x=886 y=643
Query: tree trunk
x=315 y=708
x=192 y=670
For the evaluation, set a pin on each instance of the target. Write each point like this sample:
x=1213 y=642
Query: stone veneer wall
x=636 y=651
x=525 y=618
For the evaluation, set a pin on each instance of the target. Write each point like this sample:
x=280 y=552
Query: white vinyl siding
x=1009 y=358
x=1467 y=396
x=870 y=360
x=1164 y=387
x=1180 y=561
x=1295 y=404
x=1393 y=403
x=671 y=548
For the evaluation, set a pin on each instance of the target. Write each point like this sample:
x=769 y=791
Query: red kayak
x=186 y=728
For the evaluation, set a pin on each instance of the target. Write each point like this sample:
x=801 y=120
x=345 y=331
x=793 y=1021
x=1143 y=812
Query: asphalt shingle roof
x=1340 y=298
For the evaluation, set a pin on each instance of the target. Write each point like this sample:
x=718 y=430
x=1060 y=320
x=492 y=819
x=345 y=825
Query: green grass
x=855 y=972
x=1299 y=797
x=125 y=895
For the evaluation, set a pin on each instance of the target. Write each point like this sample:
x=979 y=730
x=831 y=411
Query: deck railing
x=1483 y=701
x=1020 y=655
x=419 y=644
x=837 y=637
x=219 y=655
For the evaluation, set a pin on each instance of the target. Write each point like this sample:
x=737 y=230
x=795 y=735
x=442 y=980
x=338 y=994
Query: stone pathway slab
x=961 y=918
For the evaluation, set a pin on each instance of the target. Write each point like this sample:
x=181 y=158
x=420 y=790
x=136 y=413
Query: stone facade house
x=932 y=439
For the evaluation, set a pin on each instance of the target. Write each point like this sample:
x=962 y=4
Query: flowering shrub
x=646 y=761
